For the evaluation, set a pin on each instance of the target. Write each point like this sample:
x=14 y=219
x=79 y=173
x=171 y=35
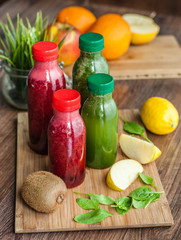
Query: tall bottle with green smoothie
x=100 y=116
x=90 y=61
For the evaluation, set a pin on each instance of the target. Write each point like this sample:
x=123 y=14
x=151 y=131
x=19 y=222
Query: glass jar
x=44 y=79
x=14 y=87
x=67 y=138
x=90 y=61
x=100 y=115
x=14 y=84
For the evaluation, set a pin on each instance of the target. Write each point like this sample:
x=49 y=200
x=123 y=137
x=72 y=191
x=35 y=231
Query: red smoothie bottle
x=67 y=138
x=43 y=80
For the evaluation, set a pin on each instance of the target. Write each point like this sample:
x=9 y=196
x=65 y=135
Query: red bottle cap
x=66 y=100
x=45 y=51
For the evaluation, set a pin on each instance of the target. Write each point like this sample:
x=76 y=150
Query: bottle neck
x=66 y=115
x=91 y=54
x=105 y=97
x=45 y=64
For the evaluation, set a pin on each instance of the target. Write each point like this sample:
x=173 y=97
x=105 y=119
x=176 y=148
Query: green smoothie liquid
x=101 y=119
x=87 y=64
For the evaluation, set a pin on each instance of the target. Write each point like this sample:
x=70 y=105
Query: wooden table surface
x=127 y=94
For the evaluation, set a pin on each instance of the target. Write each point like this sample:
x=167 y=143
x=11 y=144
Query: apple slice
x=122 y=174
x=137 y=149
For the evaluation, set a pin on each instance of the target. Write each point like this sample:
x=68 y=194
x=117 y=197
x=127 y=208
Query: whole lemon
x=159 y=115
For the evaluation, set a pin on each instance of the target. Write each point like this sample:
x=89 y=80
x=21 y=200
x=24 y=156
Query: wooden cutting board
x=159 y=59
x=27 y=220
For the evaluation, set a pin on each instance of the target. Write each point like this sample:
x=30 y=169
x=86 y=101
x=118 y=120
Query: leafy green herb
x=145 y=203
x=134 y=128
x=87 y=203
x=100 y=198
x=146 y=179
x=139 y=198
x=121 y=211
x=94 y=216
x=141 y=193
x=123 y=204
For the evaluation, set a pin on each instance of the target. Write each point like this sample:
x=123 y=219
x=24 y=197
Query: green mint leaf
x=145 y=203
x=87 y=203
x=133 y=128
x=102 y=199
x=146 y=179
x=94 y=216
x=141 y=193
x=124 y=203
x=121 y=211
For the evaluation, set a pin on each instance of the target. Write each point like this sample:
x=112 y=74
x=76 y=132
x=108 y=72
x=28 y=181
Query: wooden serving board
x=27 y=220
x=159 y=59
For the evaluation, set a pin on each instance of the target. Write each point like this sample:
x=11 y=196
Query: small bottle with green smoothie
x=90 y=61
x=100 y=116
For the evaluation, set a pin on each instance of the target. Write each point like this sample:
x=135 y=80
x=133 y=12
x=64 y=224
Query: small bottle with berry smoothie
x=67 y=138
x=44 y=79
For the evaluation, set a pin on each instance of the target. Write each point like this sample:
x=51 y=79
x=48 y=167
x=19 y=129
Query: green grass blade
x=7 y=59
x=3 y=45
x=11 y=26
x=10 y=36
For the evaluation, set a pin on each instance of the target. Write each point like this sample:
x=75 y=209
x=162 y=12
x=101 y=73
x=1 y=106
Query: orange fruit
x=79 y=17
x=116 y=32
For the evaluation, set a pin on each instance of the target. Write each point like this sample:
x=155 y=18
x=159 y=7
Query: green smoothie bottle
x=90 y=61
x=100 y=116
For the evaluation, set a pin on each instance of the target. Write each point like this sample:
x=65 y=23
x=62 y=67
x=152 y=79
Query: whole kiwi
x=43 y=191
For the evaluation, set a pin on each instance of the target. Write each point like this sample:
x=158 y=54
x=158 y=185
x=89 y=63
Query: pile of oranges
x=116 y=31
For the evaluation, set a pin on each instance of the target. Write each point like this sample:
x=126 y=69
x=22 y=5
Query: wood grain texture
x=162 y=6
x=127 y=94
x=28 y=220
x=158 y=59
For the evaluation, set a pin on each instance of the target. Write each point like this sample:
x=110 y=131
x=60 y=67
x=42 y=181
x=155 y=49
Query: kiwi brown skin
x=43 y=191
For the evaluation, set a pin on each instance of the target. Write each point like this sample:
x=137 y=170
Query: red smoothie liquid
x=67 y=145
x=43 y=80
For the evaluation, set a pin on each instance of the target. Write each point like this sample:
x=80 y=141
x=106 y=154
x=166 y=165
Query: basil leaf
x=141 y=193
x=145 y=203
x=121 y=211
x=87 y=203
x=94 y=216
x=102 y=199
x=124 y=203
x=133 y=127
x=146 y=179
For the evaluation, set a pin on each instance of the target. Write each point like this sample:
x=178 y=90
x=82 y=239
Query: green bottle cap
x=100 y=83
x=91 y=42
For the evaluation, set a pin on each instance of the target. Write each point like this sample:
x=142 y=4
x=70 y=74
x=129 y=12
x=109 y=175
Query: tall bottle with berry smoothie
x=44 y=79
x=67 y=138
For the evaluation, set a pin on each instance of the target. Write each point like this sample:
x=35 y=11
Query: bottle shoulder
x=63 y=123
x=86 y=66
x=46 y=73
x=93 y=108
